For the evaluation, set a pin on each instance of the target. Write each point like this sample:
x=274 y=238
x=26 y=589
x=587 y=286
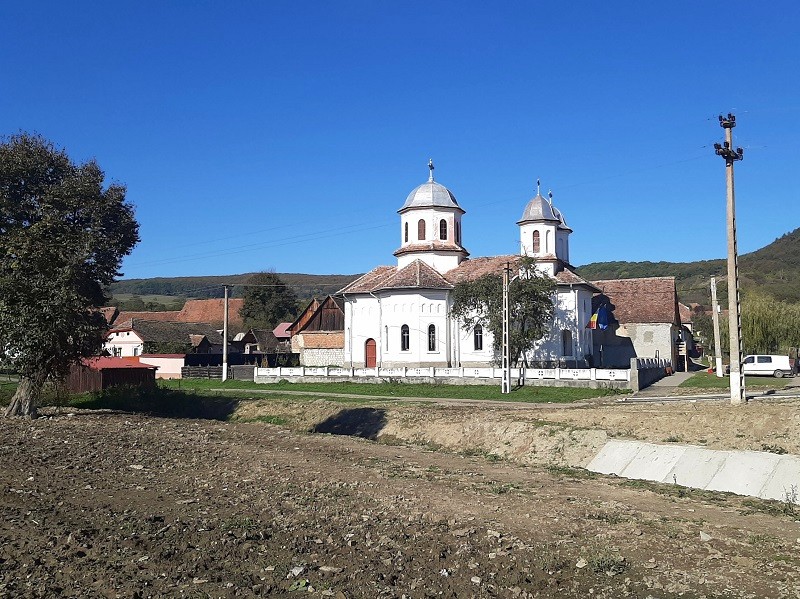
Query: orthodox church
x=400 y=315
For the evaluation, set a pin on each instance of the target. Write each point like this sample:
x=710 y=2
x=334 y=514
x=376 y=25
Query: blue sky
x=285 y=136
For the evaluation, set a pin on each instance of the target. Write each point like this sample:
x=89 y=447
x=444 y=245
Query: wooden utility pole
x=225 y=338
x=715 y=320
x=734 y=316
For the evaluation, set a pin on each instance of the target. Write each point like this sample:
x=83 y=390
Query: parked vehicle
x=776 y=366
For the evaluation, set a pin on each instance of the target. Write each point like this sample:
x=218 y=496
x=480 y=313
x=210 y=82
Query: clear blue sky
x=286 y=135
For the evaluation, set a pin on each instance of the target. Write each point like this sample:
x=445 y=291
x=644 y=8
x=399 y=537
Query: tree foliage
x=62 y=239
x=268 y=302
x=530 y=305
x=769 y=326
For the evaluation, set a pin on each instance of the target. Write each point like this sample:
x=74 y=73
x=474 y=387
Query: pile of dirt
x=120 y=505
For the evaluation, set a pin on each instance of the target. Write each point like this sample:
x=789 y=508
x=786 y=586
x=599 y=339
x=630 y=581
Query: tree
x=62 y=239
x=268 y=302
x=530 y=305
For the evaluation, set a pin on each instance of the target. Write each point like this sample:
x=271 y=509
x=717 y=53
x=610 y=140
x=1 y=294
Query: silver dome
x=539 y=209
x=430 y=195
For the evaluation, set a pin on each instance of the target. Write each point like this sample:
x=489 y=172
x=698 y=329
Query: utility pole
x=715 y=320
x=506 y=385
x=734 y=317
x=225 y=338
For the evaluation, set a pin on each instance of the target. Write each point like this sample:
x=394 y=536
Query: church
x=397 y=316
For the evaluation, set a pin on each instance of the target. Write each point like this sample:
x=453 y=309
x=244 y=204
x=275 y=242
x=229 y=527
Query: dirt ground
x=449 y=501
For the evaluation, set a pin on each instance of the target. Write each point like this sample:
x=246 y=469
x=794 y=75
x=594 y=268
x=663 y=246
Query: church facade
x=400 y=315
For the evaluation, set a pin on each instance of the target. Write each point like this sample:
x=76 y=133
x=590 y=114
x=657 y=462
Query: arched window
x=478 y=337
x=536 y=247
x=421 y=230
x=431 y=338
x=566 y=343
x=404 y=338
x=547 y=242
x=405 y=233
x=443 y=229
x=458 y=232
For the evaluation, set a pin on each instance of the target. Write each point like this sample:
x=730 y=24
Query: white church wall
x=417 y=310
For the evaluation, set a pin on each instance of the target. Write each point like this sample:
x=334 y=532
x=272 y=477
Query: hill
x=305 y=286
x=773 y=270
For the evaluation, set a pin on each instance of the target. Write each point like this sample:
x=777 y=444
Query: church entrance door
x=370 y=353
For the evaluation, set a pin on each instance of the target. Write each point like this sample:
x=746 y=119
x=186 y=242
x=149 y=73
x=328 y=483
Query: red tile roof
x=469 y=270
x=646 y=300
x=106 y=362
x=415 y=275
x=194 y=310
x=282 y=330
x=369 y=281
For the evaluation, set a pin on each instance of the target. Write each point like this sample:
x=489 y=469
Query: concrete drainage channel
x=753 y=473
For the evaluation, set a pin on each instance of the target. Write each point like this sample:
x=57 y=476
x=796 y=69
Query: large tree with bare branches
x=62 y=239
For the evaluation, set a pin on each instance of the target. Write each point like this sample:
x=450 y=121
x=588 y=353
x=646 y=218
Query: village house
x=318 y=333
x=644 y=321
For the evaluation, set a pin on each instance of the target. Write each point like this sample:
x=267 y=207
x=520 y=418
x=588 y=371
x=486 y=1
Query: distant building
x=99 y=373
x=136 y=337
x=210 y=311
x=644 y=321
x=318 y=333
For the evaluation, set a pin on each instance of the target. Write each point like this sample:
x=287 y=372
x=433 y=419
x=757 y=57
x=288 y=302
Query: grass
x=405 y=390
x=707 y=380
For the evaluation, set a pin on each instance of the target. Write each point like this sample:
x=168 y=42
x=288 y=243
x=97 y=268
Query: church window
x=478 y=337
x=443 y=229
x=421 y=230
x=432 y=337
x=405 y=236
x=566 y=343
x=458 y=232
x=536 y=248
x=404 y=338
x=547 y=242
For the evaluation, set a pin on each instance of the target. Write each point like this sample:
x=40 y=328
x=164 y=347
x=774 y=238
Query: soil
x=385 y=500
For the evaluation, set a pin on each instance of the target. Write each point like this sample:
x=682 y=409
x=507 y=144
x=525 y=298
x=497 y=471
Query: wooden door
x=370 y=353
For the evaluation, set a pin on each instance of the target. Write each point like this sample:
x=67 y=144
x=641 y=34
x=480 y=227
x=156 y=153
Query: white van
x=776 y=366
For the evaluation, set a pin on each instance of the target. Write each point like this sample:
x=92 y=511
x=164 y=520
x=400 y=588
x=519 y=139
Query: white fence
x=563 y=374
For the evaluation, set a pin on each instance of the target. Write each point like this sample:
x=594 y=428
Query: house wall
x=621 y=342
x=319 y=348
x=169 y=366
x=127 y=343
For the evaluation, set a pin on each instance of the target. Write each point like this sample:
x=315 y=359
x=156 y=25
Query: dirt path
x=115 y=505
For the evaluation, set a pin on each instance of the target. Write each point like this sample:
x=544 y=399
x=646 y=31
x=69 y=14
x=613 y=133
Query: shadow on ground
x=355 y=422
x=167 y=403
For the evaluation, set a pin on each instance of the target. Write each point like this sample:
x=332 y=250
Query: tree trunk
x=26 y=399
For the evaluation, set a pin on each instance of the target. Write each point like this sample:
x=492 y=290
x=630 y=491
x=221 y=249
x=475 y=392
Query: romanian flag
x=599 y=319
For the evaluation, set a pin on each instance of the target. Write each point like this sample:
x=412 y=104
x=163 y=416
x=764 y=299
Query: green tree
x=62 y=239
x=530 y=305
x=267 y=301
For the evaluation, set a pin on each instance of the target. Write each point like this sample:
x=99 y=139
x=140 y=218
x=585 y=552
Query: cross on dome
x=431 y=167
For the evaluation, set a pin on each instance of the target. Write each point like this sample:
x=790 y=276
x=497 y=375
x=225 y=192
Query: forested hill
x=304 y=286
x=774 y=270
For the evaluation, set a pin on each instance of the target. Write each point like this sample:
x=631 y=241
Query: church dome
x=430 y=195
x=539 y=209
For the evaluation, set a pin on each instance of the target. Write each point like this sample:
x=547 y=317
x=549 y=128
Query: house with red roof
x=644 y=321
